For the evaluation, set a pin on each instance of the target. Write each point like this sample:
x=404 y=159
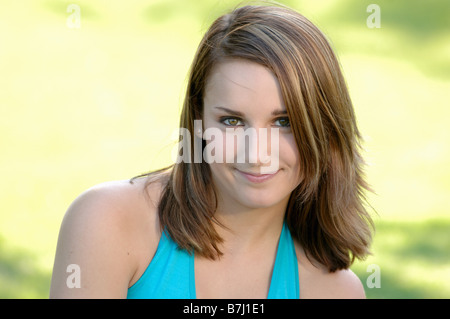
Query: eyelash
x=225 y=118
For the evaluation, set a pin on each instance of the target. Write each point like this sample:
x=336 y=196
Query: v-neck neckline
x=275 y=270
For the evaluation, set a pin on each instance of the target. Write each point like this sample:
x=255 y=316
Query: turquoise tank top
x=170 y=274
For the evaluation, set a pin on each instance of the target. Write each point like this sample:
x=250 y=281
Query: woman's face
x=243 y=95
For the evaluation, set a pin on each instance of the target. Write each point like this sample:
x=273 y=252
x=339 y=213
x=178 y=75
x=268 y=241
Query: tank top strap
x=285 y=281
x=170 y=274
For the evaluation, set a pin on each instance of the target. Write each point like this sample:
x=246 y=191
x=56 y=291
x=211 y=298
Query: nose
x=256 y=147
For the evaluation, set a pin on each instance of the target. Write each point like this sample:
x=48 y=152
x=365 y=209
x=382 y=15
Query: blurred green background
x=80 y=106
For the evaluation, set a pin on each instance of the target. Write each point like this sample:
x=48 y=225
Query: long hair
x=326 y=213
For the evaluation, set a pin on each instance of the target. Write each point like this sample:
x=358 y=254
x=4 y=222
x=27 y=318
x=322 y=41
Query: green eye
x=283 y=122
x=231 y=121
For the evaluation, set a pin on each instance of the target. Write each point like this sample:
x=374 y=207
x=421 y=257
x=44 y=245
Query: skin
x=253 y=212
x=112 y=230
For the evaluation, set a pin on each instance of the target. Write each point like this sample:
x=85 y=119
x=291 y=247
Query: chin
x=260 y=199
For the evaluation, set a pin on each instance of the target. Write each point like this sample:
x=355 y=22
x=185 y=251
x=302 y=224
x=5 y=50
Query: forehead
x=242 y=83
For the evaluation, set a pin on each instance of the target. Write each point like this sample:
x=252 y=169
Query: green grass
x=83 y=106
x=413 y=259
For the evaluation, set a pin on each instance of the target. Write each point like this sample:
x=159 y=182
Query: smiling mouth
x=256 y=177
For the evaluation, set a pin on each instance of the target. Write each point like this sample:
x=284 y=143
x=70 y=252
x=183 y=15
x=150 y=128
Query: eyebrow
x=237 y=113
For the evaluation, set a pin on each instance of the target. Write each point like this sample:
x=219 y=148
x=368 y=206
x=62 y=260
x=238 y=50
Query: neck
x=246 y=227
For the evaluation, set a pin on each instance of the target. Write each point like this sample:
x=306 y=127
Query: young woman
x=224 y=229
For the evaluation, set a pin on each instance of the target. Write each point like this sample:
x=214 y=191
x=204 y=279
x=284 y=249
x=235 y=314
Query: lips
x=256 y=177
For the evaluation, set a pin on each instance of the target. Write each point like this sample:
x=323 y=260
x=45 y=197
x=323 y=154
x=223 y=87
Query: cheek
x=222 y=177
x=289 y=154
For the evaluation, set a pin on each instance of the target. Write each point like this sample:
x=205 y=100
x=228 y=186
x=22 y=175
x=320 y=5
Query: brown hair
x=326 y=212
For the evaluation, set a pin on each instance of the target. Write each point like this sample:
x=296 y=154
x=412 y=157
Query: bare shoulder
x=344 y=284
x=117 y=201
x=316 y=282
x=118 y=208
x=109 y=232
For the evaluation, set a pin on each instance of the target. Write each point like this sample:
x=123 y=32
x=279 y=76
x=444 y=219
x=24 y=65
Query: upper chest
x=244 y=278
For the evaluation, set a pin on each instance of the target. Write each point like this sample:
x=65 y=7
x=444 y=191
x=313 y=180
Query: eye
x=283 y=122
x=231 y=121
